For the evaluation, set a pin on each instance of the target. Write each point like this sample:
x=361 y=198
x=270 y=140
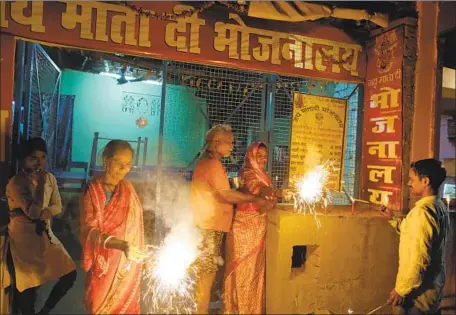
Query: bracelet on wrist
x=107 y=240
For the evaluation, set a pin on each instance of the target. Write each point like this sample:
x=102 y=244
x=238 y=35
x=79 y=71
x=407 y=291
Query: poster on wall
x=381 y=165
x=317 y=136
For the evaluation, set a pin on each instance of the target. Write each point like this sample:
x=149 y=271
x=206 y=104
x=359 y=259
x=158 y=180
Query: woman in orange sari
x=245 y=244
x=112 y=234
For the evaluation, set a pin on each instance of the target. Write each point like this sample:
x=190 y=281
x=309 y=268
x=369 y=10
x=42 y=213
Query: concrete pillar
x=424 y=118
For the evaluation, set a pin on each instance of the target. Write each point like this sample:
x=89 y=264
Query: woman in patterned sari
x=112 y=235
x=245 y=244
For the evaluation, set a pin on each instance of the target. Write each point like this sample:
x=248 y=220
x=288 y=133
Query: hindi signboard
x=317 y=136
x=381 y=163
x=216 y=37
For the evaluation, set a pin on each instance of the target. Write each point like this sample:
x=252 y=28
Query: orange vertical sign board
x=381 y=166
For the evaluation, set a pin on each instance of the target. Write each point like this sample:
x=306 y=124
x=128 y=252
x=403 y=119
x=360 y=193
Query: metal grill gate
x=255 y=103
x=232 y=96
x=42 y=98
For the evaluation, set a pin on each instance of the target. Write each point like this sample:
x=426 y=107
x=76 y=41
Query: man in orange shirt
x=212 y=204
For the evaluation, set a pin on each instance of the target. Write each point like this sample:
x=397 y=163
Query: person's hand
x=264 y=204
x=40 y=176
x=136 y=255
x=395 y=299
x=387 y=213
x=268 y=193
x=121 y=245
x=132 y=253
x=40 y=227
x=287 y=194
x=45 y=214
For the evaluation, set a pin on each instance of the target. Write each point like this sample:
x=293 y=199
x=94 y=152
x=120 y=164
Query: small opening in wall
x=299 y=256
x=305 y=260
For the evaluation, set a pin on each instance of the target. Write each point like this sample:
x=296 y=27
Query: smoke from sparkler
x=169 y=272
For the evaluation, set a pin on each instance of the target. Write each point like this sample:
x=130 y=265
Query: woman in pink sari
x=112 y=234
x=245 y=244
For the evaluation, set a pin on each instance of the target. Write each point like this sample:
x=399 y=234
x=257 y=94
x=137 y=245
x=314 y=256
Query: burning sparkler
x=312 y=192
x=377 y=309
x=170 y=274
x=353 y=200
x=169 y=271
x=350 y=310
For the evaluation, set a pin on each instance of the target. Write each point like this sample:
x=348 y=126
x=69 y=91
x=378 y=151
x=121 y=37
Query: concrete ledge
x=350 y=262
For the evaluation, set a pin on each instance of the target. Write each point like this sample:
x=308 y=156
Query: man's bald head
x=218 y=134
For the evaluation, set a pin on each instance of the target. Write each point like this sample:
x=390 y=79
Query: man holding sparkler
x=212 y=205
x=424 y=232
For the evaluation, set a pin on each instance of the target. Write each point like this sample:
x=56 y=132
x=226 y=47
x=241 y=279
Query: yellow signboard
x=317 y=136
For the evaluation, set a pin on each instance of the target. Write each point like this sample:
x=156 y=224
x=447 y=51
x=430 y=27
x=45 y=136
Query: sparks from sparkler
x=311 y=191
x=170 y=276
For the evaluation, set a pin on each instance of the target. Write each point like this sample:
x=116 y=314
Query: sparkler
x=377 y=309
x=312 y=192
x=353 y=200
x=350 y=311
x=170 y=275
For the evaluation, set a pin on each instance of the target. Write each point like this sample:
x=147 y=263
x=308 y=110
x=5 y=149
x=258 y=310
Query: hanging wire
x=164 y=15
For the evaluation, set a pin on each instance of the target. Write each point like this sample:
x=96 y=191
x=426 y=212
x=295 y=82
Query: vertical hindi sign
x=317 y=136
x=381 y=172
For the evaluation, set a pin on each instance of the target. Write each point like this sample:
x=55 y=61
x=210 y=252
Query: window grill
x=252 y=103
x=43 y=99
x=227 y=96
x=243 y=99
x=282 y=96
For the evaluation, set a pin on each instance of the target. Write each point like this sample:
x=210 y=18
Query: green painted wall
x=98 y=108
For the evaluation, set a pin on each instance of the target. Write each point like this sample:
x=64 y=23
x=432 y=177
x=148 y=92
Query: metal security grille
x=351 y=158
x=254 y=103
x=282 y=89
x=228 y=96
x=281 y=94
x=43 y=99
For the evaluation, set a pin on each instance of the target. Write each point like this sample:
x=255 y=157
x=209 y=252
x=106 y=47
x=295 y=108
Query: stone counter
x=350 y=262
